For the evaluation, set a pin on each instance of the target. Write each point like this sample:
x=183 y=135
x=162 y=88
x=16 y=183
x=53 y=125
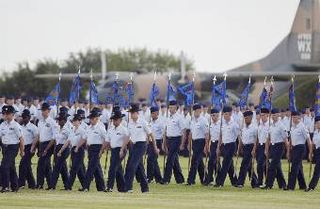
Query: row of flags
x=74 y=96
x=124 y=95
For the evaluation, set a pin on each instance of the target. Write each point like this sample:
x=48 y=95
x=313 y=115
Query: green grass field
x=167 y=196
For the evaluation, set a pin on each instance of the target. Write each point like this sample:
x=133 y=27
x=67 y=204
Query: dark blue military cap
x=134 y=108
x=173 y=102
x=77 y=117
x=25 y=113
x=81 y=113
x=116 y=115
x=275 y=111
x=154 y=109
x=95 y=112
x=45 y=106
x=8 y=109
x=265 y=110
x=63 y=109
x=227 y=109
x=295 y=113
x=247 y=113
x=62 y=116
x=196 y=107
x=213 y=111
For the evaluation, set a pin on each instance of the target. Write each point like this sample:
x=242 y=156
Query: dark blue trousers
x=197 y=157
x=275 y=169
x=44 y=169
x=135 y=167
x=1 y=145
x=261 y=163
x=227 y=167
x=296 y=172
x=153 y=169
x=212 y=163
x=172 y=163
x=115 y=171
x=8 y=166
x=25 y=168
x=316 y=172
x=60 y=167
x=77 y=167
x=246 y=166
x=94 y=168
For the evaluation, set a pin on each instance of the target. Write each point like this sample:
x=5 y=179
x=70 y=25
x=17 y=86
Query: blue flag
x=53 y=96
x=109 y=99
x=187 y=91
x=265 y=98
x=130 y=94
x=292 y=99
x=75 y=90
x=317 y=102
x=154 y=93
x=219 y=94
x=94 y=93
x=244 y=97
x=118 y=98
x=171 y=93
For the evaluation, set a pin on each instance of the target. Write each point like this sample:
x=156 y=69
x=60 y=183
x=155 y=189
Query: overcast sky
x=217 y=34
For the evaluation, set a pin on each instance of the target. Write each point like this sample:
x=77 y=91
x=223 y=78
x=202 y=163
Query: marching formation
x=62 y=135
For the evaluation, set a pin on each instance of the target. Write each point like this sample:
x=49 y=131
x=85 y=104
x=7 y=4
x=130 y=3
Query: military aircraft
x=297 y=54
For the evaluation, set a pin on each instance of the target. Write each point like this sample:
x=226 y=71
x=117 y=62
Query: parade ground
x=167 y=196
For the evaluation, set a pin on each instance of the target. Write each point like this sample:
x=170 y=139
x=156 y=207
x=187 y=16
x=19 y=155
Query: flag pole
x=128 y=119
x=189 y=138
x=289 y=137
x=131 y=81
x=269 y=118
x=57 y=99
x=164 y=145
x=220 y=135
x=310 y=168
x=107 y=153
x=214 y=80
x=78 y=96
x=78 y=91
x=90 y=90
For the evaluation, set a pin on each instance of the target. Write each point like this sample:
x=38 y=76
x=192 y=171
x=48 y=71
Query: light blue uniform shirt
x=199 y=127
x=96 y=134
x=249 y=134
x=215 y=131
x=157 y=127
x=139 y=130
x=76 y=135
x=29 y=132
x=230 y=131
x=10 y=133
x=278 y=132
x=175 y=125
x=299 y=134
x=263 y=132
x=316 y=138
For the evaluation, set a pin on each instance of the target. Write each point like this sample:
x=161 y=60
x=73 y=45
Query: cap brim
x=9 y=112
x=112 y=118
x=132 y=110
x=94 y=116
x=45 y=108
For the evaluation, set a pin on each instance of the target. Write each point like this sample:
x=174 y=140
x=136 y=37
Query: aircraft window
x=308 y=24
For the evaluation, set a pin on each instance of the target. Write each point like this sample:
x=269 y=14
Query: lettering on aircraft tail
x=304 y=45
